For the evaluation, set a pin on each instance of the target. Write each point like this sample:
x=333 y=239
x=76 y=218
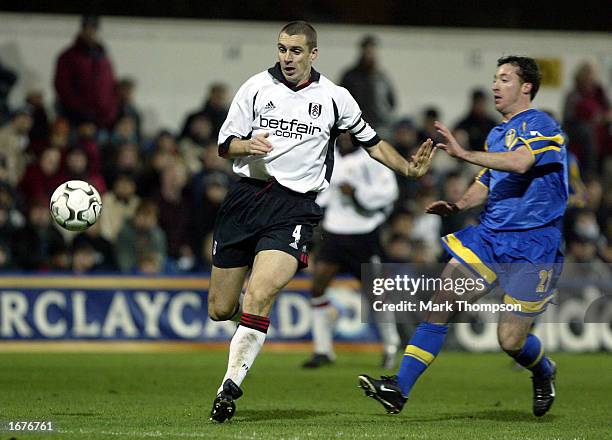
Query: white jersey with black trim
x=303 y=123
x=375 y=192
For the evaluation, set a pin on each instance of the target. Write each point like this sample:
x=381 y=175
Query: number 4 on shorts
x=297 y=233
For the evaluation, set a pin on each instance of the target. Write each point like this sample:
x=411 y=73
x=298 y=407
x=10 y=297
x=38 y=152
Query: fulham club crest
x=314 y=109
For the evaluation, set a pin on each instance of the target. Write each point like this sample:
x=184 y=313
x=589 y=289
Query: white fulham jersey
x=303 y=123
x=375 y=191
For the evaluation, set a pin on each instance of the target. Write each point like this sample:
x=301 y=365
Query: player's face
x=295 y=57
x=510 y=92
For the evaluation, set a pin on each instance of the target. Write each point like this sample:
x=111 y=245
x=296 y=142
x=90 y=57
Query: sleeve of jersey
x=239 y=121
x=379 y=191
x=350 y=120
x=484 y=177
x=546 y=148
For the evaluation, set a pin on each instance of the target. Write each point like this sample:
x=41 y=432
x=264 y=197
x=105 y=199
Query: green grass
x=162 y=395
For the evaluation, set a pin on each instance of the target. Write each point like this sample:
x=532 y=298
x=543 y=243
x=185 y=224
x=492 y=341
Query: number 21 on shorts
x=297 y=233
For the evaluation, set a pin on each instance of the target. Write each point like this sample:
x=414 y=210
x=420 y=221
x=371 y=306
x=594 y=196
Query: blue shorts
x=525 y=264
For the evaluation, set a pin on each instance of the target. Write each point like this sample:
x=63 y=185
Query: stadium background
x=430 y=68
x=174 y=52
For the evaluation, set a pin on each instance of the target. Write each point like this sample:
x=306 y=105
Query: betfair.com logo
x=293 y=129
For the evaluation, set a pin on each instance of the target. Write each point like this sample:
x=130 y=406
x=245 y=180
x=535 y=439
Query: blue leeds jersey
x=538 y=197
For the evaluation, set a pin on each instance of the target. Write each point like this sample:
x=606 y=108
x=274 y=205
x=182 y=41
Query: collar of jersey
x=277 y=74
x=519 y=113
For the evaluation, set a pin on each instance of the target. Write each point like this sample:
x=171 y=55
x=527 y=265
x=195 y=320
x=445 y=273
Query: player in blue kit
x=524 y=184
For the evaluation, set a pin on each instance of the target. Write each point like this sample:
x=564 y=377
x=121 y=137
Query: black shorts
x=350 y=250
x=257 y=215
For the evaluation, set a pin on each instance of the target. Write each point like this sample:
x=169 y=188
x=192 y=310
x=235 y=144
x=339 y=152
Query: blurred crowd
x=161 y=193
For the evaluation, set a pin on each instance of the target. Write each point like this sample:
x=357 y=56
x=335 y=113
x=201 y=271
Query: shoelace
x=542 y=387
x=392 y=379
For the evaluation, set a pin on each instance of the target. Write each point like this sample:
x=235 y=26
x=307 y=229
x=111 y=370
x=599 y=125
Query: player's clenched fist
x=259 y=144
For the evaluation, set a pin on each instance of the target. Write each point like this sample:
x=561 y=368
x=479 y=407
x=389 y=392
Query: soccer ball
x=75 y=205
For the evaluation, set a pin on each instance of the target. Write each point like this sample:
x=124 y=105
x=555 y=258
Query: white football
x=75 y=205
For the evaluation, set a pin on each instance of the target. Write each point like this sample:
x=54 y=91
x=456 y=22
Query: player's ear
x=313 y=53
x=526 y=88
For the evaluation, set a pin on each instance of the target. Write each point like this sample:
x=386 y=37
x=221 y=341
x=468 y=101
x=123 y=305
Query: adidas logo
x=269 y=106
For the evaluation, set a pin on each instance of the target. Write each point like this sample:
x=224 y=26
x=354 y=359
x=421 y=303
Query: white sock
x=322 y=326
x=244 y=348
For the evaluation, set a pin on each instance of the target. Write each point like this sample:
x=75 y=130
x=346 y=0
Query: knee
x=220 y=312
x=511 y=343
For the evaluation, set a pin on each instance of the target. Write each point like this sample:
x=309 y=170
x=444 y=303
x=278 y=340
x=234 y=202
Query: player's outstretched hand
x=259 y=145
x=421 y=160
x=451 y=146
x=441 y=208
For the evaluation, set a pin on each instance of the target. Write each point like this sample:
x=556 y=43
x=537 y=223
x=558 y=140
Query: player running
x=358 y=200
x=524 y=185
x=280 y=133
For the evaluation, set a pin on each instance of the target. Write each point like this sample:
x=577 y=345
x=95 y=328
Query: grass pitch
x=169 y=395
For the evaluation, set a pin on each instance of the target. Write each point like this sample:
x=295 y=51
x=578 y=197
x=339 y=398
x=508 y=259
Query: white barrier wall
x=175 y=61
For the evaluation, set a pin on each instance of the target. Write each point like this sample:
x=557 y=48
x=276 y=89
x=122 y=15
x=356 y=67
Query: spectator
x=401 y=223
x=118 y=206
x=176 y=214
x=86 y=139
x=405 y=137
x=398 y=249
x=140 y=237
x=76 y=168
x=150 y=263
x=125 y=94
x=125 y=159
x=214 y=110
x=192 y=146
x=125 y=130
x=8 y=78
x=371 y=87
x=587 y=118
x=477 y=123
x=428 y=130
x=6 y=239
x=14 y=142
x=9 y=199
x=39 y=245
x=166 y=142
x=84 y=79
x=83 y=258
x=422 y=253
x=59 y=137
x=42 y=177
x=583 y=242
x=211 y=189
x=39 y=133
x=150 y=179
x=97 y=248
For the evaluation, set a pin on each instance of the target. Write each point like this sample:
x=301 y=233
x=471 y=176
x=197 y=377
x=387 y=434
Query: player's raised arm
x=419 y=164
x=517 y=161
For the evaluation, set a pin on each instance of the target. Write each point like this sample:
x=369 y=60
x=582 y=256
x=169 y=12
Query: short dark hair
x=90 y=20
x=528 y=71
x=300 y=27
x=368 y=40
x=478 y=94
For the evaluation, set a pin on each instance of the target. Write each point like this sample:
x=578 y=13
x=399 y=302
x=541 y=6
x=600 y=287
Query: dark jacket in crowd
x=85 y=85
